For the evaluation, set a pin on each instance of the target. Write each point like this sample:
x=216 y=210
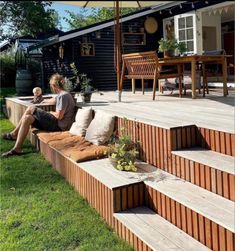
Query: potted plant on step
x=79 y=82
x=122 y=152
x=86 y=88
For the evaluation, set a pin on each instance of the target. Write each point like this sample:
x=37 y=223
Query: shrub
x=7 y=69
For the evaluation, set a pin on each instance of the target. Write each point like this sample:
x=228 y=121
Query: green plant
x=78 y=81
x=167 y=45
x=181 y=46
x=7 y=70
x=85 y=83
x=123 y=152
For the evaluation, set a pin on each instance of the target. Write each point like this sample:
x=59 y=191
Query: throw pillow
x=82 y=121
x=100 y=128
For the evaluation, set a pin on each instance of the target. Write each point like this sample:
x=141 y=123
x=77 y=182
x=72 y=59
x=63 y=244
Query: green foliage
x=123 y=151
x=85 y=82
x=167 y=45
x=92 y=15
x=5 y=92
x=170 y=45
x=182 y=47
x=26 y=18
x=41 y=211
x=78 y=81
x=7 y=69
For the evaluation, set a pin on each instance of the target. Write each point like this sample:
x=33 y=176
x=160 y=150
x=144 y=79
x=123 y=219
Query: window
x=185 y=31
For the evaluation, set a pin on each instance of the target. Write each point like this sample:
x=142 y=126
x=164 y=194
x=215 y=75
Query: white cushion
x=100 y=128
x=82 y=121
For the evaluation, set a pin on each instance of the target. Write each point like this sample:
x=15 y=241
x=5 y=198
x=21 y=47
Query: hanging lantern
x=61 y=51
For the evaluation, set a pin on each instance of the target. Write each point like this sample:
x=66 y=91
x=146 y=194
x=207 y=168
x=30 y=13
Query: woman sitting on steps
x=60 y=120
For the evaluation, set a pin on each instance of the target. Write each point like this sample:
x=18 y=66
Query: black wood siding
x=100 y=68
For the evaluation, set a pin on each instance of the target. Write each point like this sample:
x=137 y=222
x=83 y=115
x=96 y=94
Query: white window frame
x=176 y=24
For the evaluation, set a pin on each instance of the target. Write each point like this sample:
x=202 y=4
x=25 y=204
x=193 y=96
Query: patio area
x=213 y=112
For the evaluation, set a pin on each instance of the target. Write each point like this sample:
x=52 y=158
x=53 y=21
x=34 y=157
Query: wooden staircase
x=181 y=198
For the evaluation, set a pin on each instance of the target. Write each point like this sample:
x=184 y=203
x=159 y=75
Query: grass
x=5 y=92
x=40 y=211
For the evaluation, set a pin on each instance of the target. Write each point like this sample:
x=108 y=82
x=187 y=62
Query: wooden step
x=219 y=161
x=142 y=227
x=205 y=216
x=207 y=169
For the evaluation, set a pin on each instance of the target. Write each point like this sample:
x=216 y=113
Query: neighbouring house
x=202 y=25
x=18 y=45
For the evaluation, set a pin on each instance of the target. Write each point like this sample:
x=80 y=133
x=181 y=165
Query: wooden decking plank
x=158 y=233
x=210 y=158
x=209 y=205
x=207 y=113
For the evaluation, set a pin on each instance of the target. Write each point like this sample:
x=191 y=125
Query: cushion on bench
x=84 y=150
x=82 y=121
x=100 y=128
x=75 y=147
x=47 y=137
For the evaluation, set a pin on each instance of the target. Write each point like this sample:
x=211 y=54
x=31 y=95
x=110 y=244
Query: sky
x=61 y=8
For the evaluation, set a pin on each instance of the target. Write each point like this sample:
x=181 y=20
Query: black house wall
x=101 y=67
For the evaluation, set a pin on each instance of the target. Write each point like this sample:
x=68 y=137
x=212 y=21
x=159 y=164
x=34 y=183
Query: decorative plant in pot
x=79 y=82
x=182 y=48
x=86 y=88
x=167 y=46
x=123 y=152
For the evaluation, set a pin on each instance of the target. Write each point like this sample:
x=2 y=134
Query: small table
x=193 y=59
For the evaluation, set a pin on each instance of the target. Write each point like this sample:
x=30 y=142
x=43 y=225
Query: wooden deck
x=182 y=196
x=214 y=111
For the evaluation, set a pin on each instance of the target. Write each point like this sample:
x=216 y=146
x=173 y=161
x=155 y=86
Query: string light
x=206 y=2
x=192 y=5
x=160 y=12
x=181 y=6
x=170 y=12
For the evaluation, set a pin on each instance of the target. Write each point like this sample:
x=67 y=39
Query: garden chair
x=145 y=65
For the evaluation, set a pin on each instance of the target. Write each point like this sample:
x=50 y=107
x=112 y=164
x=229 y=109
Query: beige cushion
x=82 y=121
x=100 y=128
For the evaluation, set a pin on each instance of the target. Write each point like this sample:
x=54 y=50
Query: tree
x=26 y=18
x=94 y=15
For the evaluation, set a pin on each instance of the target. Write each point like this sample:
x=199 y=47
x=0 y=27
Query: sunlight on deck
x=214 y=111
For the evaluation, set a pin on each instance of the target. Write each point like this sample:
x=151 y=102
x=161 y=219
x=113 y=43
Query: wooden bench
x=145 y=65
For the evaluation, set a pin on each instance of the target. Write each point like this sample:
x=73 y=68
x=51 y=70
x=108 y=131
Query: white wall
x=213 y=21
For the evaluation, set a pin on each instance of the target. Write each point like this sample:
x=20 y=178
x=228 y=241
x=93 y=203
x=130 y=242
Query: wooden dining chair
x=144 y=66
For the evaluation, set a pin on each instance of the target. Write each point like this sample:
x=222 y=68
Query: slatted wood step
x=206 y=216
x=209 y=158
x=208 y=169
x=145 y=230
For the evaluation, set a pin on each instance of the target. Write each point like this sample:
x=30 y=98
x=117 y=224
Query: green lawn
x=40 y=211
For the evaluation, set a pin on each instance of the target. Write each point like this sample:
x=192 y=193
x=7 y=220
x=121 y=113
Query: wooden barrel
x=23 y=82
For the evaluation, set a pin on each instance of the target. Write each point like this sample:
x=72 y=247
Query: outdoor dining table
x=193 y=60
